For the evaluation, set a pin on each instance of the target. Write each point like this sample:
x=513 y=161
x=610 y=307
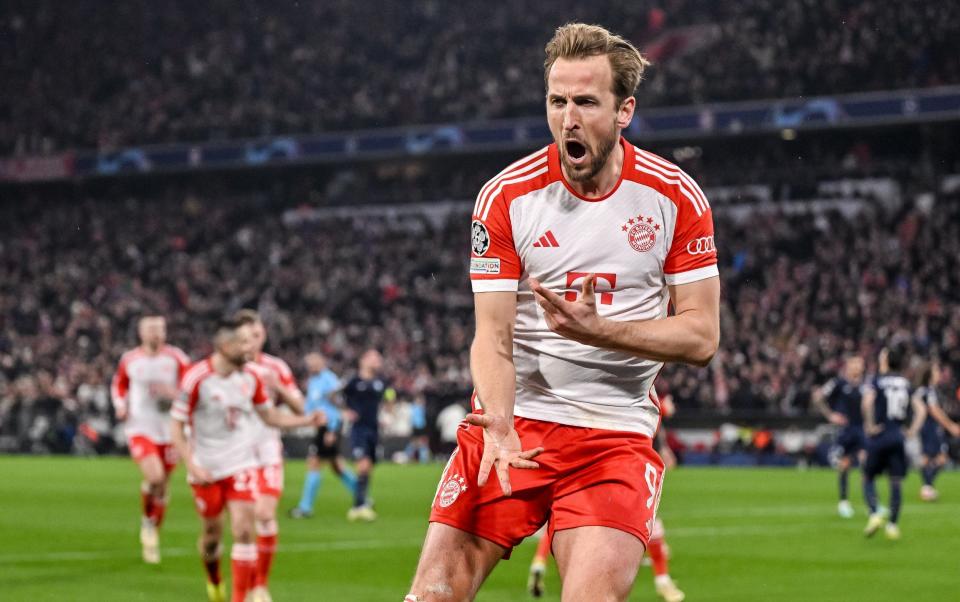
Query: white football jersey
x=220 y=411
x=654 y=229
x=131 y=389
x=269 y=445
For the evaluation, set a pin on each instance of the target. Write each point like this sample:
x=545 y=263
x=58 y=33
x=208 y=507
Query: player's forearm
x=278 y=419
x=692 y=337
x=494 y=375
x=292 y=397
x=941 y=417
x=179 y=439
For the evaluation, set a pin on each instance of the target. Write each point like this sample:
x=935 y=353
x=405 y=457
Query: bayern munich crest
x=641 y=232
x=451 y=490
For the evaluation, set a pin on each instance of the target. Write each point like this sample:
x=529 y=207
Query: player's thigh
x=242 y=514
x=152 y=469
x=453 y=564
x=597 y=564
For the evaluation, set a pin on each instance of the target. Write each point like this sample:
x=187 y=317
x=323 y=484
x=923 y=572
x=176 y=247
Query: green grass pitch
x=68 y=531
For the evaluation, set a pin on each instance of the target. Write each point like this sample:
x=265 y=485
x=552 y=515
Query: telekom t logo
x=574 y=281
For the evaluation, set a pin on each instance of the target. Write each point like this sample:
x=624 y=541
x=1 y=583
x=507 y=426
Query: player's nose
x=571 y=117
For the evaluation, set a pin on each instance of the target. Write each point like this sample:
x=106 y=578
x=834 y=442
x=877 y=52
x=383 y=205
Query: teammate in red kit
x=221 y=399
x=143 y=388
x=281 y=387
x=577 y=251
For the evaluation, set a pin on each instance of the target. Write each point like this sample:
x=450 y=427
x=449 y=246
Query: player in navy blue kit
x=839 y=401
x=932 y=440
x=887 y=403
x=362 y=396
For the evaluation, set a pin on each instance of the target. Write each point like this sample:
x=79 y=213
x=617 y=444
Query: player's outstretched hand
x=318 y=418
x=955 y=430
x=576 y=320
x=501 y=450
x=198 y=474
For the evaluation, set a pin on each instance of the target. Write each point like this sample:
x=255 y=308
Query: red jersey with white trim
x=269 y=445
x=132 y=388
x=654 y=229
x=220 y=411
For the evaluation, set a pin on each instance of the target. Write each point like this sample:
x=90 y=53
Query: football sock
x=870 y=494
x=311 y=486
x=211 y=563
x=895 y=500
x=243 y=562
x=159 y=510
x=266 y=548
x=360 y=494
x=146 y=502
x=658 y=556
x=349 y=480
x=844 y=474
x=543 y=548
x=929 y=473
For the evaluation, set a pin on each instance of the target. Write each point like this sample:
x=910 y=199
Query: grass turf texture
x=68 y=531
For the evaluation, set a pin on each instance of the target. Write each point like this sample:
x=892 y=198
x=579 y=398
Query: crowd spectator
x=87 y=75
x=799 y=290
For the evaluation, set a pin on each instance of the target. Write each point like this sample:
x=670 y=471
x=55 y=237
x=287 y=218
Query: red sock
x=543 y=548
x=213 y=570
x=158 y=509
x=243 y=563
x=147 y=503
x=658 y=556
x=266 y=548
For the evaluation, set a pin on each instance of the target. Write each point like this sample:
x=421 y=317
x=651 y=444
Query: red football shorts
x=270 y=480
x=210 y=499
x=587 y=477
x=142 y=447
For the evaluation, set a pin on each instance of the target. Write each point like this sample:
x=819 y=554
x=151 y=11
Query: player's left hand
x=317 y=418
x=576 y=320
x=955 y=430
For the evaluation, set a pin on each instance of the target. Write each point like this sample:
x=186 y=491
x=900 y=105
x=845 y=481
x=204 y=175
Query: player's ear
x=625 y=112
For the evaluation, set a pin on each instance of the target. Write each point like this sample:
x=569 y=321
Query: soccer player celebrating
x=886 y=405
x=221 y=399
x=578 y=250
x=362 y=396
x=280 y=386
x=143 y=388
x=932 y=441
x=839 y=401
x=321 y=388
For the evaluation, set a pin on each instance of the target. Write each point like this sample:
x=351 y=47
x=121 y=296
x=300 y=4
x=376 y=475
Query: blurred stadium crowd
x=146 y=72
x=800 y=290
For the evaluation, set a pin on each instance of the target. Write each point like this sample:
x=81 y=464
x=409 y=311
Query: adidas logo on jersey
x=547 y=240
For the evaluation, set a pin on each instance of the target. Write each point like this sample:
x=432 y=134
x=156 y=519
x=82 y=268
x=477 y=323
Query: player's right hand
x=318 y=418
x=120 y=413
x=198 y=474
x=838 y=418
x=501 y=449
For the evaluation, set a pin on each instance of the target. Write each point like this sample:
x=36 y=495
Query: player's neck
x=221 y=365
x=150 y=350
x=606 y=179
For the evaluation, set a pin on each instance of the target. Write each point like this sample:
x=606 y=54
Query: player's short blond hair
x=579 y=41
x=246 y=316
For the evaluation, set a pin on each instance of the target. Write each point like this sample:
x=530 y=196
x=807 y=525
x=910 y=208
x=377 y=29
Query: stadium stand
x=148 y=72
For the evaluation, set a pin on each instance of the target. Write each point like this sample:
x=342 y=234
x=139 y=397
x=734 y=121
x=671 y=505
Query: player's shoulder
x=196 y=373
x=275 y=362
x=176 y=353
x=653 y=171
x=521 y=177
x=131 y=354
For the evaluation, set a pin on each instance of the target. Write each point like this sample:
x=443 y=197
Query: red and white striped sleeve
x=120 y=385
x=494 y=263
x=183 y=360
x=186 y=403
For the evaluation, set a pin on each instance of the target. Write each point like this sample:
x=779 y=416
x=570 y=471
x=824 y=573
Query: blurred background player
x=362 y=396
x=839 y=400
x=322 y=388
x=281 y=386
x=144 y=386
x=219 y=396
x=886 y=407
x=418 y=450
x=657 y=549
x=933 y=444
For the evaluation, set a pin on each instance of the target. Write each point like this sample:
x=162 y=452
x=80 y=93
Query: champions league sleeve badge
x=481 y=238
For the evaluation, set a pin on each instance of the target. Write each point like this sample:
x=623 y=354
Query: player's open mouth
x=576 y=151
